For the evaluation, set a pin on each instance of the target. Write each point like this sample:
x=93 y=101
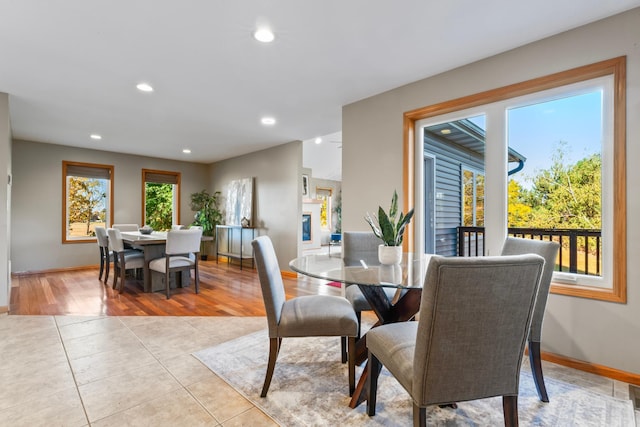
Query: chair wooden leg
x=352 y=365
x=510 y=408
x=343 y=349
x=101 y=263
x=123 y=272
x=374 y=367
x=536 y=369
x=116 y=270
x=197 y=276
x=274 y=349
x=106 y=269
x=167 y=282
x=419 y=416
x=343 y=340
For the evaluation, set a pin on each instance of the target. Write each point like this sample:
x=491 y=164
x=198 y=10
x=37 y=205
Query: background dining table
x=153 y=246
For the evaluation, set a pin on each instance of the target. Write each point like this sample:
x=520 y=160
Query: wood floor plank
x=225 y=290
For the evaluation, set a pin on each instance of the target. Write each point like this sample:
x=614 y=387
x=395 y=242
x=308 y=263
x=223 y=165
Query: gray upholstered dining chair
x=303 y=316
x=123 y=259
x=360 y=247
x=549 y=251
x=181 y=253
x=469 y=341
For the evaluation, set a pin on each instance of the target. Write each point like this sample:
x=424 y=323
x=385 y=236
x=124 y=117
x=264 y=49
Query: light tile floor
x=115 y=371
x=138 y=371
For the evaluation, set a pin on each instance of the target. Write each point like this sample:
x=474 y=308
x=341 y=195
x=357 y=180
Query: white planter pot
x=389 y=255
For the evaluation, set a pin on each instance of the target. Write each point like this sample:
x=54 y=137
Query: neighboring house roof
x=469 y=136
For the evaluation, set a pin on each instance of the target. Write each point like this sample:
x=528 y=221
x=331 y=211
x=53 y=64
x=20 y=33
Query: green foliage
x=159 y=205
x=208 y=213
x=85 y=196
x=390 y=227
x=563 y=196
x=519 y=210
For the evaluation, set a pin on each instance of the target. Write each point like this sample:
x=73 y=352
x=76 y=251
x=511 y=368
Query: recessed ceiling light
x=186 y=151
x=318 y=140
x=144 y=87
x=264 y=35
x=445 y=131
x=268 y=121
x=95 y=136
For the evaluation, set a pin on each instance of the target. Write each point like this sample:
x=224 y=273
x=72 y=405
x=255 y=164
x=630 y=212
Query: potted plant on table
x=207 y=214
x=390 y=229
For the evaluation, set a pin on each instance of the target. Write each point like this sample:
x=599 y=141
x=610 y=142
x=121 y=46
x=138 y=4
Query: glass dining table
x=407 y=277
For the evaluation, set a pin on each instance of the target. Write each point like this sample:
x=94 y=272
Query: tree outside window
x=161 y=196
x=87 y=190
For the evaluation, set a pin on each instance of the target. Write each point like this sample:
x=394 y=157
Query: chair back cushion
x=548 y=251
x=360 y=245
x=475 y=315
x=126 y=227
x=115 y=240
x=101 y=235
x=270 y=281
x=183 y=241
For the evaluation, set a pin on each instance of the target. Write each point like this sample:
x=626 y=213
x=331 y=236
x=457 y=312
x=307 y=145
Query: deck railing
x=580 y=249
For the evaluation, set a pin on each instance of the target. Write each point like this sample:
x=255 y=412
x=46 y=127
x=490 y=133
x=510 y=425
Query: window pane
x=159 y=206
x=161 y=198
x=87 y=199
x=467 y=196
x=479 y=186
x=451 y=187
x=324 y=194
x=559 y=187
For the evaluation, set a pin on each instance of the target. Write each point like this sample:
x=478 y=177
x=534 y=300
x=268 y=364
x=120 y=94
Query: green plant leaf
x=393 y=210
x=385 y=227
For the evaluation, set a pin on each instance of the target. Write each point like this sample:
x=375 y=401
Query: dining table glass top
x=410 y=273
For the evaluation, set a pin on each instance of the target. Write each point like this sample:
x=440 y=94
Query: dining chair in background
x=303 y=316
x=360 y=247
x=126 y=227
x=123 y=259
x=549 y=251
x=181 y=244
x=469 y=341
x=105 y=254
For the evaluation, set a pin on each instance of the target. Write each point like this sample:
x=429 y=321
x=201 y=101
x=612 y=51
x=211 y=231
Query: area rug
x=310 y=388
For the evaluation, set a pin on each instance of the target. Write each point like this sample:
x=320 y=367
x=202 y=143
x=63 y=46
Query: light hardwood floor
x=225 y=290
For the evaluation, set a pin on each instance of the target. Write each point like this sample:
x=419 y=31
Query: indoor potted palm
x=390 y=229
x=207 y=214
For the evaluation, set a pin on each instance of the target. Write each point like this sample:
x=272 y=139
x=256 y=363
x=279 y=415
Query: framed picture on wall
x=305 y=185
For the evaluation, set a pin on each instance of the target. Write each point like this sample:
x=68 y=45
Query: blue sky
x=535 y=131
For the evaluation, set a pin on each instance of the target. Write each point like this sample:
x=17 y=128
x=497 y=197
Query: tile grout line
x=184 y=387
x=73 y=375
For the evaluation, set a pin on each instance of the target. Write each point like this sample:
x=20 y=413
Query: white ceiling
x=70 y=67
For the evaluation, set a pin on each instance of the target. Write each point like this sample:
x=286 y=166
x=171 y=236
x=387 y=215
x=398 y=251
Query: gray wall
x=5 y=196
x=277 y=196
x=36 y=226
x=598 y=332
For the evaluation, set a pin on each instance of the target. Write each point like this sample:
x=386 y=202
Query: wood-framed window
x=324 y=194
x=160 y=199
x=87 y=200
x=613 y=73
